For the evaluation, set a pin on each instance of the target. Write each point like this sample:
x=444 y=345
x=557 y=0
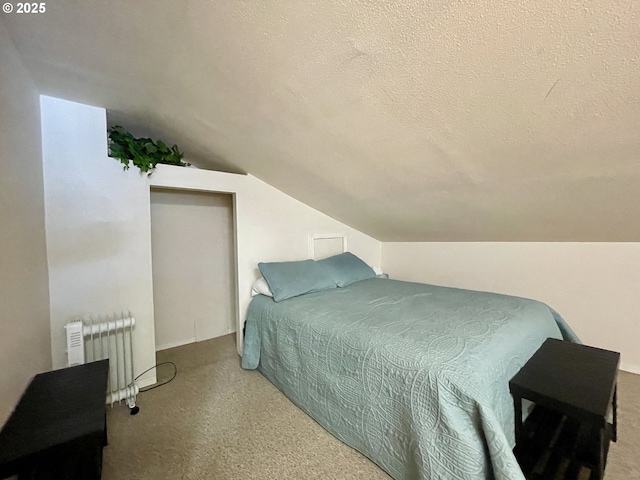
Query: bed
x=413 y=376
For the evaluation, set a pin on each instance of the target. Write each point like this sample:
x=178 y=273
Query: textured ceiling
x=413 y=120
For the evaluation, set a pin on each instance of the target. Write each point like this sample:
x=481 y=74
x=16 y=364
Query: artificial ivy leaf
x=144 y=153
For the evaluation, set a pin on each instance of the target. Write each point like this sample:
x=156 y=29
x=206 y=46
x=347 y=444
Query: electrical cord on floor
x=175 y=372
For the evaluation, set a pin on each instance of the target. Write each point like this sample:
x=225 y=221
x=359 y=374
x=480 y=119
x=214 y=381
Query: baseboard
x=146 y=382
x=175 y=344
x=630 y=368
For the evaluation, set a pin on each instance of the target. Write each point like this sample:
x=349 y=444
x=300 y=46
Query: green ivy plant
x=143 y=152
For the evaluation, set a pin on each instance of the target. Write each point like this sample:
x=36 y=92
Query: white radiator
x=106 y=337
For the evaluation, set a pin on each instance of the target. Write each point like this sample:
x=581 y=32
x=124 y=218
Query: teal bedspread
x=414 y=376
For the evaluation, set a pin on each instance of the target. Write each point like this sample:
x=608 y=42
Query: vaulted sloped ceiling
x=410 y=120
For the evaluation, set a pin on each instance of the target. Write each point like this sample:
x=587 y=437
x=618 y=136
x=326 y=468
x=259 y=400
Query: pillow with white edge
x=377 y=269
x=260 y=287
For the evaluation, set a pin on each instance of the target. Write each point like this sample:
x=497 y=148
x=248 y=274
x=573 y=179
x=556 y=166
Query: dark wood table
x=59 y=427
x=574 y=389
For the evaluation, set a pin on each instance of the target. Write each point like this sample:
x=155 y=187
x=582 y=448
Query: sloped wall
x=25 y=345
x=592 y=285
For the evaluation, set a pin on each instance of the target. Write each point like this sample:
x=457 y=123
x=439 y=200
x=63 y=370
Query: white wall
x=594 y=286
x=97 y=229
x=25 y=342
x=98 y=226
x=270 y=225
x=192 y=245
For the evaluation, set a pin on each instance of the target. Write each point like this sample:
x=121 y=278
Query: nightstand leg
x=517 y=404
x=600 y=466
x=615 y=414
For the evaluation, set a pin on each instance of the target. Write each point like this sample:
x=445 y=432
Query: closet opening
x=193 y=264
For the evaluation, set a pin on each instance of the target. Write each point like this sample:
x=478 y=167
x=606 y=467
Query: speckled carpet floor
x=217 y=421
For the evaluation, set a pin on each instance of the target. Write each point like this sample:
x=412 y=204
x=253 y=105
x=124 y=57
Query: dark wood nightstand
x=574 y=389
x=59 y=426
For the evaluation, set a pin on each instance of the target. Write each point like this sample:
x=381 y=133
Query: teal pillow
x=346 y=269
x=290 y=279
